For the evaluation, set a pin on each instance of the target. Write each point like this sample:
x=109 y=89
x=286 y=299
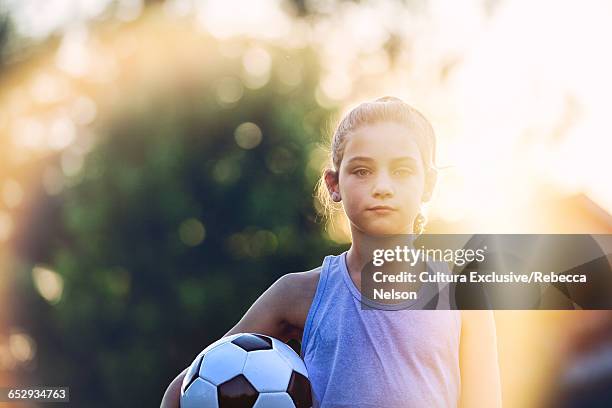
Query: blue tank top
x=390 y=358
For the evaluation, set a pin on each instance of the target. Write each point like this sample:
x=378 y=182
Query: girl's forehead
x=382 y=141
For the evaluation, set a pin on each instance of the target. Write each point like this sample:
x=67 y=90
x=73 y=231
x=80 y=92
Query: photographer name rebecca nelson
x=477 y=277
x=394 y=294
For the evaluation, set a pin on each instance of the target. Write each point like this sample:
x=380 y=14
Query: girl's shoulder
x=300 y=286
x=298 y=290
x=282 y=309
x=306 y=280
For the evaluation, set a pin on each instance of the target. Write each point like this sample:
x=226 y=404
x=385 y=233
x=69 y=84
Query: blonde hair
x=385 y=109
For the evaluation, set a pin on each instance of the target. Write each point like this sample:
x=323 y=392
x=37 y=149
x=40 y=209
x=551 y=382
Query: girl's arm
x=173 y=392
x=270 y=314
x=480 y=380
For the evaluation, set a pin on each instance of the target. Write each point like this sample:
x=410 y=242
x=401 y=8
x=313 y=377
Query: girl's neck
x=356 y=259
x=363 y=246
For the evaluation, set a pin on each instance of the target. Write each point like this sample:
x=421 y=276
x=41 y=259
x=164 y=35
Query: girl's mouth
x=382 y=209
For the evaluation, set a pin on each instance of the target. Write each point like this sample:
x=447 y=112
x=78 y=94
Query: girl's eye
x=362 y=172
x=403 y=171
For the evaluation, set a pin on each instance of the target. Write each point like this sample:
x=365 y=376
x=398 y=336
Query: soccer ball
x=246 y=370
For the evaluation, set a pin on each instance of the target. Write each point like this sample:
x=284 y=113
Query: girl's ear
x=331 y=180
x=431 y=178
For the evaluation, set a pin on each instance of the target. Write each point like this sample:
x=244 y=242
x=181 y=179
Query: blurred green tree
x=198 y=195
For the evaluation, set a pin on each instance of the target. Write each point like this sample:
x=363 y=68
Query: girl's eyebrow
x=404 y=159
x=360 y=158
x=394 y=160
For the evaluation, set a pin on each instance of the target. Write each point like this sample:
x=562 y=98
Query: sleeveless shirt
x=367 y=358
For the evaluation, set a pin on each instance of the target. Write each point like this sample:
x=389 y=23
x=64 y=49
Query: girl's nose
x=383 y=187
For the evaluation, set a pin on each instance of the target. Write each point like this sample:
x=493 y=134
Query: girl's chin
x=383 y=228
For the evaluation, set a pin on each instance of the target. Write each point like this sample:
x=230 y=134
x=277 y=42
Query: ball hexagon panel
x=267 y=371
x=236 y=393
x=299 y=390
x=292 y=358
x=253 y=342
x=222 y=363
x=274 y=400
x=200 y=393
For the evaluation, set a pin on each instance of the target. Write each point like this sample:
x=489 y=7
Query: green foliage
x=172 y=230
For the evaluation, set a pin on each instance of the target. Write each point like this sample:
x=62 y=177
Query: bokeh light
x=192 y=232
x=248 y=135
x=49 y=284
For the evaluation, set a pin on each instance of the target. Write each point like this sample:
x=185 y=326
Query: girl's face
x=382 y=167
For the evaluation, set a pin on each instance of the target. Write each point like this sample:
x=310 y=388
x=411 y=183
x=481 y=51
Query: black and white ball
x=246 y=370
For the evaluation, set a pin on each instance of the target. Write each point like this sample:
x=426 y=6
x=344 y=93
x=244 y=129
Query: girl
x=383 y=169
